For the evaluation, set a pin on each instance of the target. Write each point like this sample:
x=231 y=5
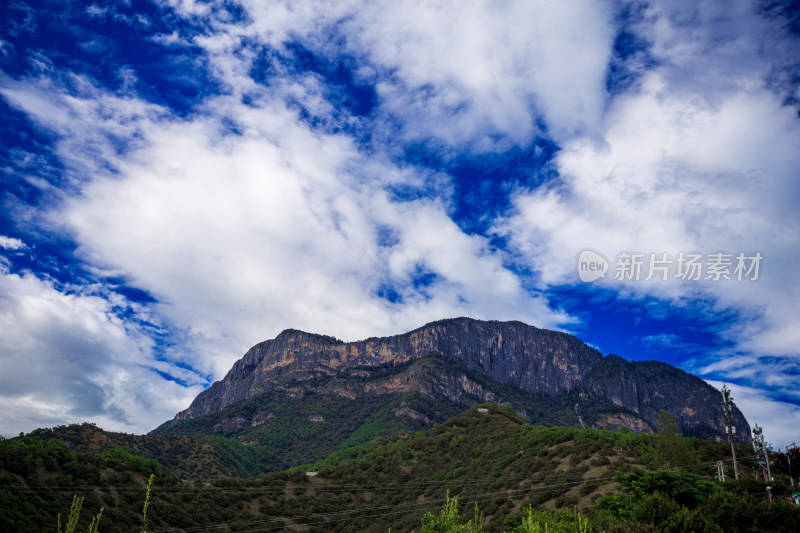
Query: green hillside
x=187 y=456
x=487 y=457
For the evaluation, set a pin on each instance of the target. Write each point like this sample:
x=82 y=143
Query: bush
x=687 y=489
x=552 y=522
x=739 y=512
x=447 y=521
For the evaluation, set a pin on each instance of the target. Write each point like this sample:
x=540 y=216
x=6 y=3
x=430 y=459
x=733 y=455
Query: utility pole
x=720 y=471
x=791 y=450
x=727 y=402
x=760 y=447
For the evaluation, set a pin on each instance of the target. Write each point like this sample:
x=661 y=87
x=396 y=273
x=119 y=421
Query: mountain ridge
x=529 y=359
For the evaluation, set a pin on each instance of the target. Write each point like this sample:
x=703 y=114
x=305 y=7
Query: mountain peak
x=304 y=335
x=518 y=358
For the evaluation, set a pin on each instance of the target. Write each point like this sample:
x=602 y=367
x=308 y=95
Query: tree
x=670 y=448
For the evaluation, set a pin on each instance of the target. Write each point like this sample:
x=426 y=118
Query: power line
x=327 y=487
x=360 y=513
x=554 y=487
x=412 y=506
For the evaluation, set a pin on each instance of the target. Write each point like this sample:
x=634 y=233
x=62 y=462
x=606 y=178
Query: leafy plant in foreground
x=570 y=521
x=74 y=514
x=146 y=504
x=447 y=520
x=77 y=504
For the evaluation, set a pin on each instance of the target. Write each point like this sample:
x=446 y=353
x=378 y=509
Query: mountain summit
x=421 y=377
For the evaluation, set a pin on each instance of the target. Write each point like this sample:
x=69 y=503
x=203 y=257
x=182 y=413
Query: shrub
x=447 y=521
x=74 y=514
x=569 y=521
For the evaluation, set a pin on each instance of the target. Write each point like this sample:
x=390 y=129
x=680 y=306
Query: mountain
x=303 y=395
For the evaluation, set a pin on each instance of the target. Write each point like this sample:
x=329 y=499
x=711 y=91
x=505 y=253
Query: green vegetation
x=146 y=503
x=670 y=449
x=77 y=504
x=325 y=412
x=74 y=514
x=447 y=520
x=190 y=456
x=39 y=477
x=649 y=501
x=673 y=500
x=511 y=476
x=532 y=521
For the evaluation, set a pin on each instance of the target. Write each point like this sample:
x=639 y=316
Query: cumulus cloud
x=10 y=243
x=485 y=75
x=268 y=205
x=240 y=238
x=239 y=234
x=66 y=357
x=700 y=156
x=468 y=73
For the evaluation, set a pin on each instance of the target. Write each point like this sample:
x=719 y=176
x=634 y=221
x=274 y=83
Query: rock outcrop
x=511 y=354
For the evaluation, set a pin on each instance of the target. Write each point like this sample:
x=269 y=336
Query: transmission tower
x=730 y=429
x=760 y=447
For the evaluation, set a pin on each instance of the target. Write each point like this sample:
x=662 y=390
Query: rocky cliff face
x=648 y=387
x=511 y=354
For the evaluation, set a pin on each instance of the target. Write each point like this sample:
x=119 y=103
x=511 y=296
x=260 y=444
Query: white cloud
x=115 y=120
x=469 y=73
x=700 y=156
x=168 y=40
x=481 y=74
x=780 y=420
x=6 y=48
x=10 y=243
x=190 y=8
x=778 y=375
x=96 y=11
x=66 y=357
x=241 y=235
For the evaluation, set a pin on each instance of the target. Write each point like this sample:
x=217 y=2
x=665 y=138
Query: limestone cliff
x=513 y=355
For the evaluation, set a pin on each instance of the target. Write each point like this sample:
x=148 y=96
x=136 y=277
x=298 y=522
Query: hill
x=188 y=457
x=487 y=456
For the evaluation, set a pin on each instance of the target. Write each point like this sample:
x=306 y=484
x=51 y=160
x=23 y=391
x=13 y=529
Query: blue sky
x=181 y=180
